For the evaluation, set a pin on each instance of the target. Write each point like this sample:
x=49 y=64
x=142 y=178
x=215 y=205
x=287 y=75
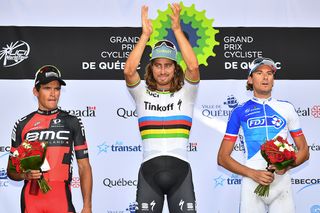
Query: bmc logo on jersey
x=48 y=135
x=271 y=121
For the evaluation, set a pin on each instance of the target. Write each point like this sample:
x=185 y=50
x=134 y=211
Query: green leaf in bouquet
x=284 y=164
x=265 y=156
x=12 y=167
x=31 y=163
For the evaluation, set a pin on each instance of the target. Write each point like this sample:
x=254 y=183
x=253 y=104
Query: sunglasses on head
x=167 y=43
x=48 y=71
x=259 y=60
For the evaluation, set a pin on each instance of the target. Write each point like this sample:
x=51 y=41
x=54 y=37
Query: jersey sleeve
x=137 y=90
x=233 y=126
x=16 y=135
x=80 y=143
x=191 y=89
x=294 y=123
x=17 y=132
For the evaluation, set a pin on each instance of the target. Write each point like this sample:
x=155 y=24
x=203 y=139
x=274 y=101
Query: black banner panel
x=100 y=53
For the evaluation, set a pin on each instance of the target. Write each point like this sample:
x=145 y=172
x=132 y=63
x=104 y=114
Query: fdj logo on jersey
x=274 y=121
x=194 y=24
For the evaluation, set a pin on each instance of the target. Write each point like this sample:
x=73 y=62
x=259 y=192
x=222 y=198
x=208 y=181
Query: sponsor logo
x=274 y=121
x=158 y=107
x=57 y=123
x=4 y=182
x=121 y=182
x=192 y=147
x=191 y=207
x=232 y=180
x=3 y=174
x=14 y=53
x=132 y=207
x=309 y=111
x=305 y=182
x=153 y=94
x=148 y=206
x=223 y=110
x=124 y=113
x=90 y=111
x=315 y=209
x=181 y=203
x=4 y=148
x=314 y=147
x=231 y=101
x=179 y=104
x=118 y=147
x=75 y=182
x=36 y=124
x=239 y=147
x=54 y=137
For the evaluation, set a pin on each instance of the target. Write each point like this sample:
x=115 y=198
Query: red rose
x=280 y=157
x=287 y=154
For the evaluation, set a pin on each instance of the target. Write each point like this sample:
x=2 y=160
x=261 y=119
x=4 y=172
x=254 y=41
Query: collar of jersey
x=47 y=112
x=163 y=92
x=261 y=100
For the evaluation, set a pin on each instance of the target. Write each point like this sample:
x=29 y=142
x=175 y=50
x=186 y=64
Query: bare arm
x=130 y=70
x=188 y=55
x=303 y=150
x=85 y=174
x=225 y=160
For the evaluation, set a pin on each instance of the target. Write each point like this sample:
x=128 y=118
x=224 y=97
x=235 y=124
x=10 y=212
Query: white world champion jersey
x=165 y=119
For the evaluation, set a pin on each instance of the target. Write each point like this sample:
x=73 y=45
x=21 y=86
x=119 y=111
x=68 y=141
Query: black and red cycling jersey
x=64 y=134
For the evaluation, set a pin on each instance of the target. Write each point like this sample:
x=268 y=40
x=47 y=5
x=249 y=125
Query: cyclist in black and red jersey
x=65 y=136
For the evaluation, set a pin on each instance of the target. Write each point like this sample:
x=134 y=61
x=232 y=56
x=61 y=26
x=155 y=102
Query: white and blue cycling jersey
x=258 y=120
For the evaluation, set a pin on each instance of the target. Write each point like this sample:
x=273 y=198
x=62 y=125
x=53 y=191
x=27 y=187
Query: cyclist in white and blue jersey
x=164 y=104
x=259 y=119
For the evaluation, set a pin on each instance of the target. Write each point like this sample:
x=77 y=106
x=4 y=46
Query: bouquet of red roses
x=279 y=153
x=31 y=156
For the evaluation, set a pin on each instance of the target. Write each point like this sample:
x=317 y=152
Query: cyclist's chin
x=163 y=81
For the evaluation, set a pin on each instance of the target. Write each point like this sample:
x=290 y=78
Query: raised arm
x=130 y=70
x=189 y=57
